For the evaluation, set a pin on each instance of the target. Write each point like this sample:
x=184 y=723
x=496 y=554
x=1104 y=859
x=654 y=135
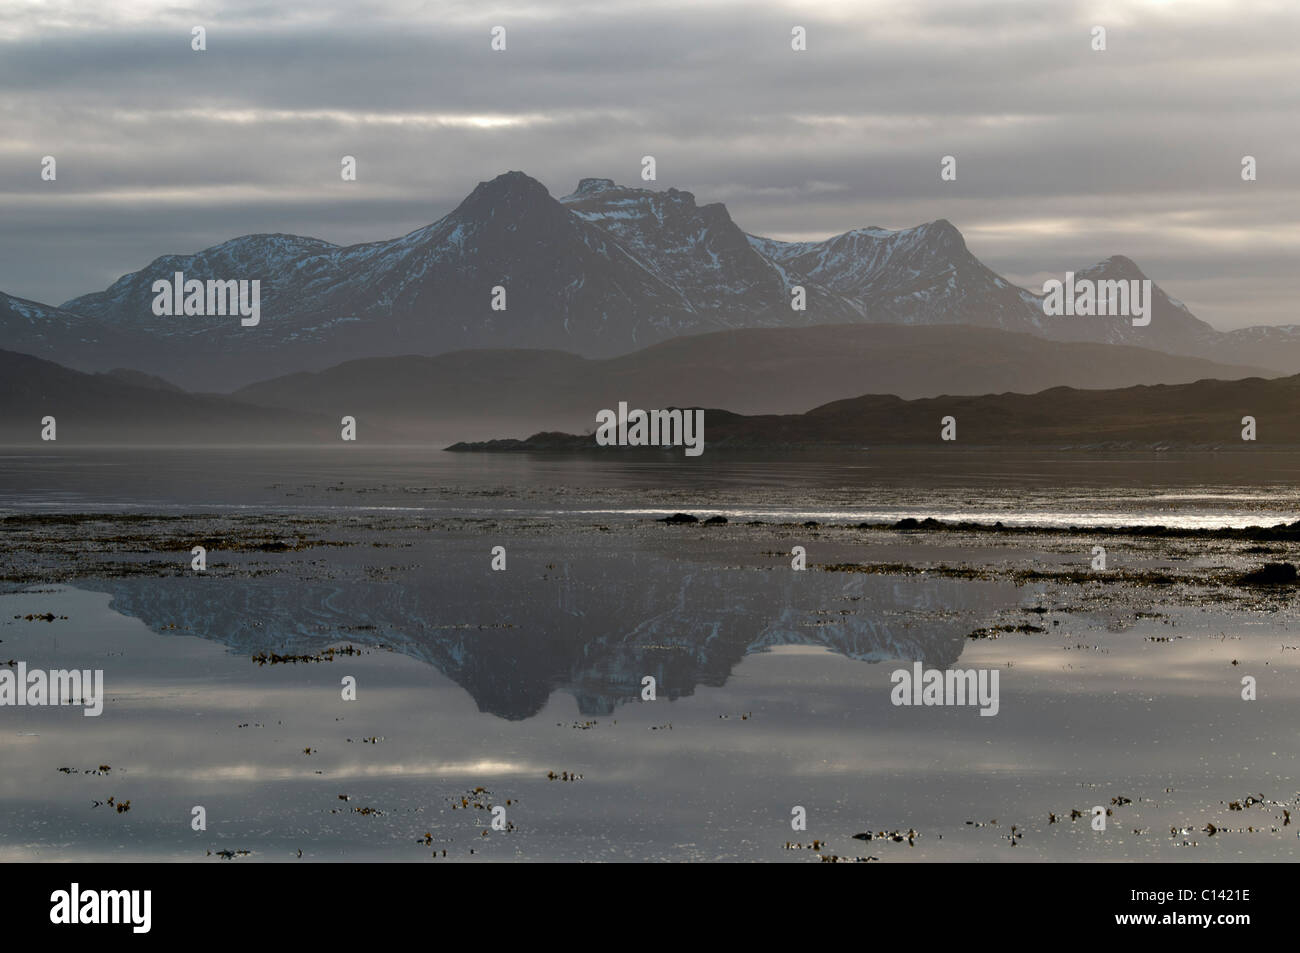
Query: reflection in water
x=271 y=751
x=1125 y=694
x=590 y=627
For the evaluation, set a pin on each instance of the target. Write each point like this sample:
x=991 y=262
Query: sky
x=1065 y=155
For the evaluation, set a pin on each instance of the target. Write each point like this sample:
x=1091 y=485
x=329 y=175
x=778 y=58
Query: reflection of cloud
x=1126 y=721
x=1199 y=666
x=309 y=771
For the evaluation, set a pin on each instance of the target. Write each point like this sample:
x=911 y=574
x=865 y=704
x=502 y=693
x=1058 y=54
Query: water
x=773 y=686
x=1200 y=490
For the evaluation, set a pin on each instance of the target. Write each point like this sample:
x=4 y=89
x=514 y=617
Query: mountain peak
x=940 y=233
x=1115 y=267
x=1125 y=265
x=596 y=193
x=943 y=232
x=506 y=187
x=592 y=186
x=510 y=197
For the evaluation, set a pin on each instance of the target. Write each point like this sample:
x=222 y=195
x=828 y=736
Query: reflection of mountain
x=512 y=639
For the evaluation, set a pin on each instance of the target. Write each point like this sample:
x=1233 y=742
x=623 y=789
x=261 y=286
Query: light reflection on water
x=774 y=685
x=189 y=723
x=1016 y=487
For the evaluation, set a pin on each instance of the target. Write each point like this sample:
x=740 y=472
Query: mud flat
x=522 y=689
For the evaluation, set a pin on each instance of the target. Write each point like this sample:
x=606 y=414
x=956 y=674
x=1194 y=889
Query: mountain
x=603 y=271
x=139 y=379
x=922 y=275
x=567 y=282
x=699 y=251
x=1173 y=327
x=926 y=275
x=486 y=393
x=103 y=409
x=33 y=328
x=1205 y=413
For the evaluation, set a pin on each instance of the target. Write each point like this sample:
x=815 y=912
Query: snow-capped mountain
x=699 y=251
x=29 y=327
x=603 y=271
x=922 y=275
x=1173 y=327
x=568 y=285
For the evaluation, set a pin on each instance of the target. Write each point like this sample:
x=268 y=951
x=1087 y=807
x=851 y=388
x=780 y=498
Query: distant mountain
x=1173 y=328
x=699 y=251
x=600 y=272
x=1206 y=413
x=922 y=275
x=102 y=409
x=33 y=328
x=489 y=393
x=568 y=284
x=140 y=379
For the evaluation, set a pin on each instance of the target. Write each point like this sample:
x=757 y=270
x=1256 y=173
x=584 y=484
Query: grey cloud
x=848 y=134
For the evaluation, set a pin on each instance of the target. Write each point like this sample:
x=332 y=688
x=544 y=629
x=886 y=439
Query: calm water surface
x=773 y=685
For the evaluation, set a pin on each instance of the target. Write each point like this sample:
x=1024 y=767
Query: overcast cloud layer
x=1065 y=155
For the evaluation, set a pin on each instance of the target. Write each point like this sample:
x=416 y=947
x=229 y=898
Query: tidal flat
x=523 y=689
x=479 y=689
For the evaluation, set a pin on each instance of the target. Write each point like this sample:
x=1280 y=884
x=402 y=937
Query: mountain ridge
x=494 y=392
x=1203 y=414
x=116 y=408
x=602 y=271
